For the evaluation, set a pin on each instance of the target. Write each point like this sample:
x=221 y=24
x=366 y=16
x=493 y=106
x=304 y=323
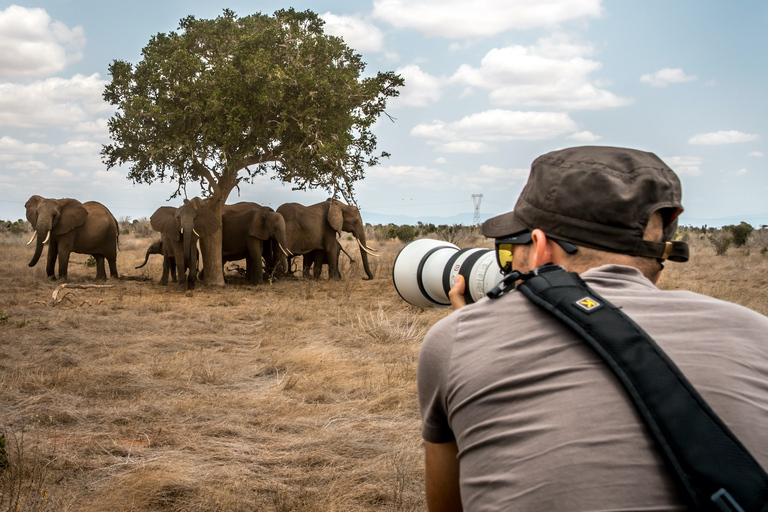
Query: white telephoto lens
x=425 y=270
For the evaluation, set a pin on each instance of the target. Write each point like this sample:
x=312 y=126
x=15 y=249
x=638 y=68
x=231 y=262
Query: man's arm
x=441 y=477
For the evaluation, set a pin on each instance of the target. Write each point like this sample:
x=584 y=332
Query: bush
x=458 y=234
x=406 y=233
x=720 y=241
x=740 y=233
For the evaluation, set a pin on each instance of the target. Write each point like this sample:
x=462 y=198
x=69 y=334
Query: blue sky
x=490 y=85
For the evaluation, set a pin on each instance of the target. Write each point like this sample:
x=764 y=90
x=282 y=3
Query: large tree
x=222 y=101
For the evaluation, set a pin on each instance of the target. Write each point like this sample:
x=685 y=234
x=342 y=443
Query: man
x=519 y=413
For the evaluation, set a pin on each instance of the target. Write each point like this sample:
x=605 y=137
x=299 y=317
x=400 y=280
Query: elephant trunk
x=188 y=235
x=364 y=256
x=39 y=246
x=146 y=258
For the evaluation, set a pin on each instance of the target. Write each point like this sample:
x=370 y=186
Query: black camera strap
x=715 y=472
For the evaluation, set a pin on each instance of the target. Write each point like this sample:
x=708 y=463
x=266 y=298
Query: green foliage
x=90 y=262
x=16 y=228
x=4 y=317
x=740 y=233
x=406 y=233
x=256 y=93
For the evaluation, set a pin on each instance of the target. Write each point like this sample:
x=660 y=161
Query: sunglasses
x=504 y=247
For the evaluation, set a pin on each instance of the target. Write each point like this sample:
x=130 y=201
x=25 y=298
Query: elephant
x=318 y=258
x=68 y=226
x=315 y=227
x=252 y=231
x=157 y=248
x=180 y=229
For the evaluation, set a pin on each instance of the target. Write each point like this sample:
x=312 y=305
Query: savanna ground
x=294 y=395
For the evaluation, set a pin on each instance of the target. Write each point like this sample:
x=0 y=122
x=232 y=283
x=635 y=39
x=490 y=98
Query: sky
x=489 y=86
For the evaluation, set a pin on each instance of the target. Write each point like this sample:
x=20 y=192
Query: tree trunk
x=210 y=247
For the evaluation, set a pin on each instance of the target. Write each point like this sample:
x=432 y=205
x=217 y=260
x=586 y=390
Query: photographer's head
x=587 y=206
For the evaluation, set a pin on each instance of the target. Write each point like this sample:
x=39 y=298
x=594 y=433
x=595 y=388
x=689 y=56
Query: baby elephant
x=157 y=248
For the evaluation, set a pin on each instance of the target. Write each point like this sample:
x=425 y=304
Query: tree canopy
x=222 y=101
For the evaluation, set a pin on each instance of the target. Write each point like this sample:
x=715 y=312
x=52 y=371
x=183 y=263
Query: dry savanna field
x=294 y=395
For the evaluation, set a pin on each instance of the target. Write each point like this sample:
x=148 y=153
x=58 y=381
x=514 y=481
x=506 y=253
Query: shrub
x=720 y=241
x=406 y=233
x=740 y=233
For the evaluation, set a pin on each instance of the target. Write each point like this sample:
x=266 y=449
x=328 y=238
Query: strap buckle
x=725 y=501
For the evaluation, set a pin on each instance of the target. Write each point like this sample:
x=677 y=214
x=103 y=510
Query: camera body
x=425 y=270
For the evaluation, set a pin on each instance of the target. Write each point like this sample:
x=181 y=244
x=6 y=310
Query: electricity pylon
x=477 y=199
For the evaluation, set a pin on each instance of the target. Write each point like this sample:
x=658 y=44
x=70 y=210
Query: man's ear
x=542 y=249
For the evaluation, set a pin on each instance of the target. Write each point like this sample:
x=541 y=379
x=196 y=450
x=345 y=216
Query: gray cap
x=599 y=197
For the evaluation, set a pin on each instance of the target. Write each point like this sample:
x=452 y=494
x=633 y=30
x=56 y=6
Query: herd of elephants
x=267 y=239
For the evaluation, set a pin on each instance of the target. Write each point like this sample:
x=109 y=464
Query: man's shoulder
x=627 y=285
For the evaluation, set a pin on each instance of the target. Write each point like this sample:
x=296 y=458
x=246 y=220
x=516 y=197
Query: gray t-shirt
x=542 y=424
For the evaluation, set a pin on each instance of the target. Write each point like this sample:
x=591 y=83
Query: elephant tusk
x=366 y=249
x=182 y=231
x=196 y=233
x=46 y=238
x=287 y=253
x=34 y=235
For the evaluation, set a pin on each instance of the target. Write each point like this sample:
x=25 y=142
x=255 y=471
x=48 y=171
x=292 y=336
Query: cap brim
x=503 y=225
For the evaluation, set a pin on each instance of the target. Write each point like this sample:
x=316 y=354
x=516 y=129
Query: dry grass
x=296 y=395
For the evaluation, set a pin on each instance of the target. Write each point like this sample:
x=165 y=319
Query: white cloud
x=684 y=165
x=405 y=176
x=553 y=73
x=62 y=173
x=32 y=45
x=721 y=137
x=666 y=76
x=421 y=89
x=473 y=131
x=756 y=154
x=458 y=19
x=741 y=172
x=421 y=177
x=98 y=128
x=464 y=146
x=359 y=34
x=27 y=165
x=9 y=145
x=585 y=137
x=441 y=160
x=53 y=102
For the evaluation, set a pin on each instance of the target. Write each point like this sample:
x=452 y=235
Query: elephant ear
x=73 y=214
x=258 y=226
x=335 y=217
x=164 y=221
x=196 y=202
x=206 y=222
x=31 y=207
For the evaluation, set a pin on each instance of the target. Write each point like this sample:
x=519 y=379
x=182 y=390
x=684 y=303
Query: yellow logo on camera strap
x=588 y=304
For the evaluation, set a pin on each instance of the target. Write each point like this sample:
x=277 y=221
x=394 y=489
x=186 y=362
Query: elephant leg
x=50 y=264
x=112 y=260
x=181 y=272
x=166 y=269
x=317 y=261
x=63 y=264
x=254 y=267
x=101 y=272
x=172 y=267
x=333 y=261
x=191 y=270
